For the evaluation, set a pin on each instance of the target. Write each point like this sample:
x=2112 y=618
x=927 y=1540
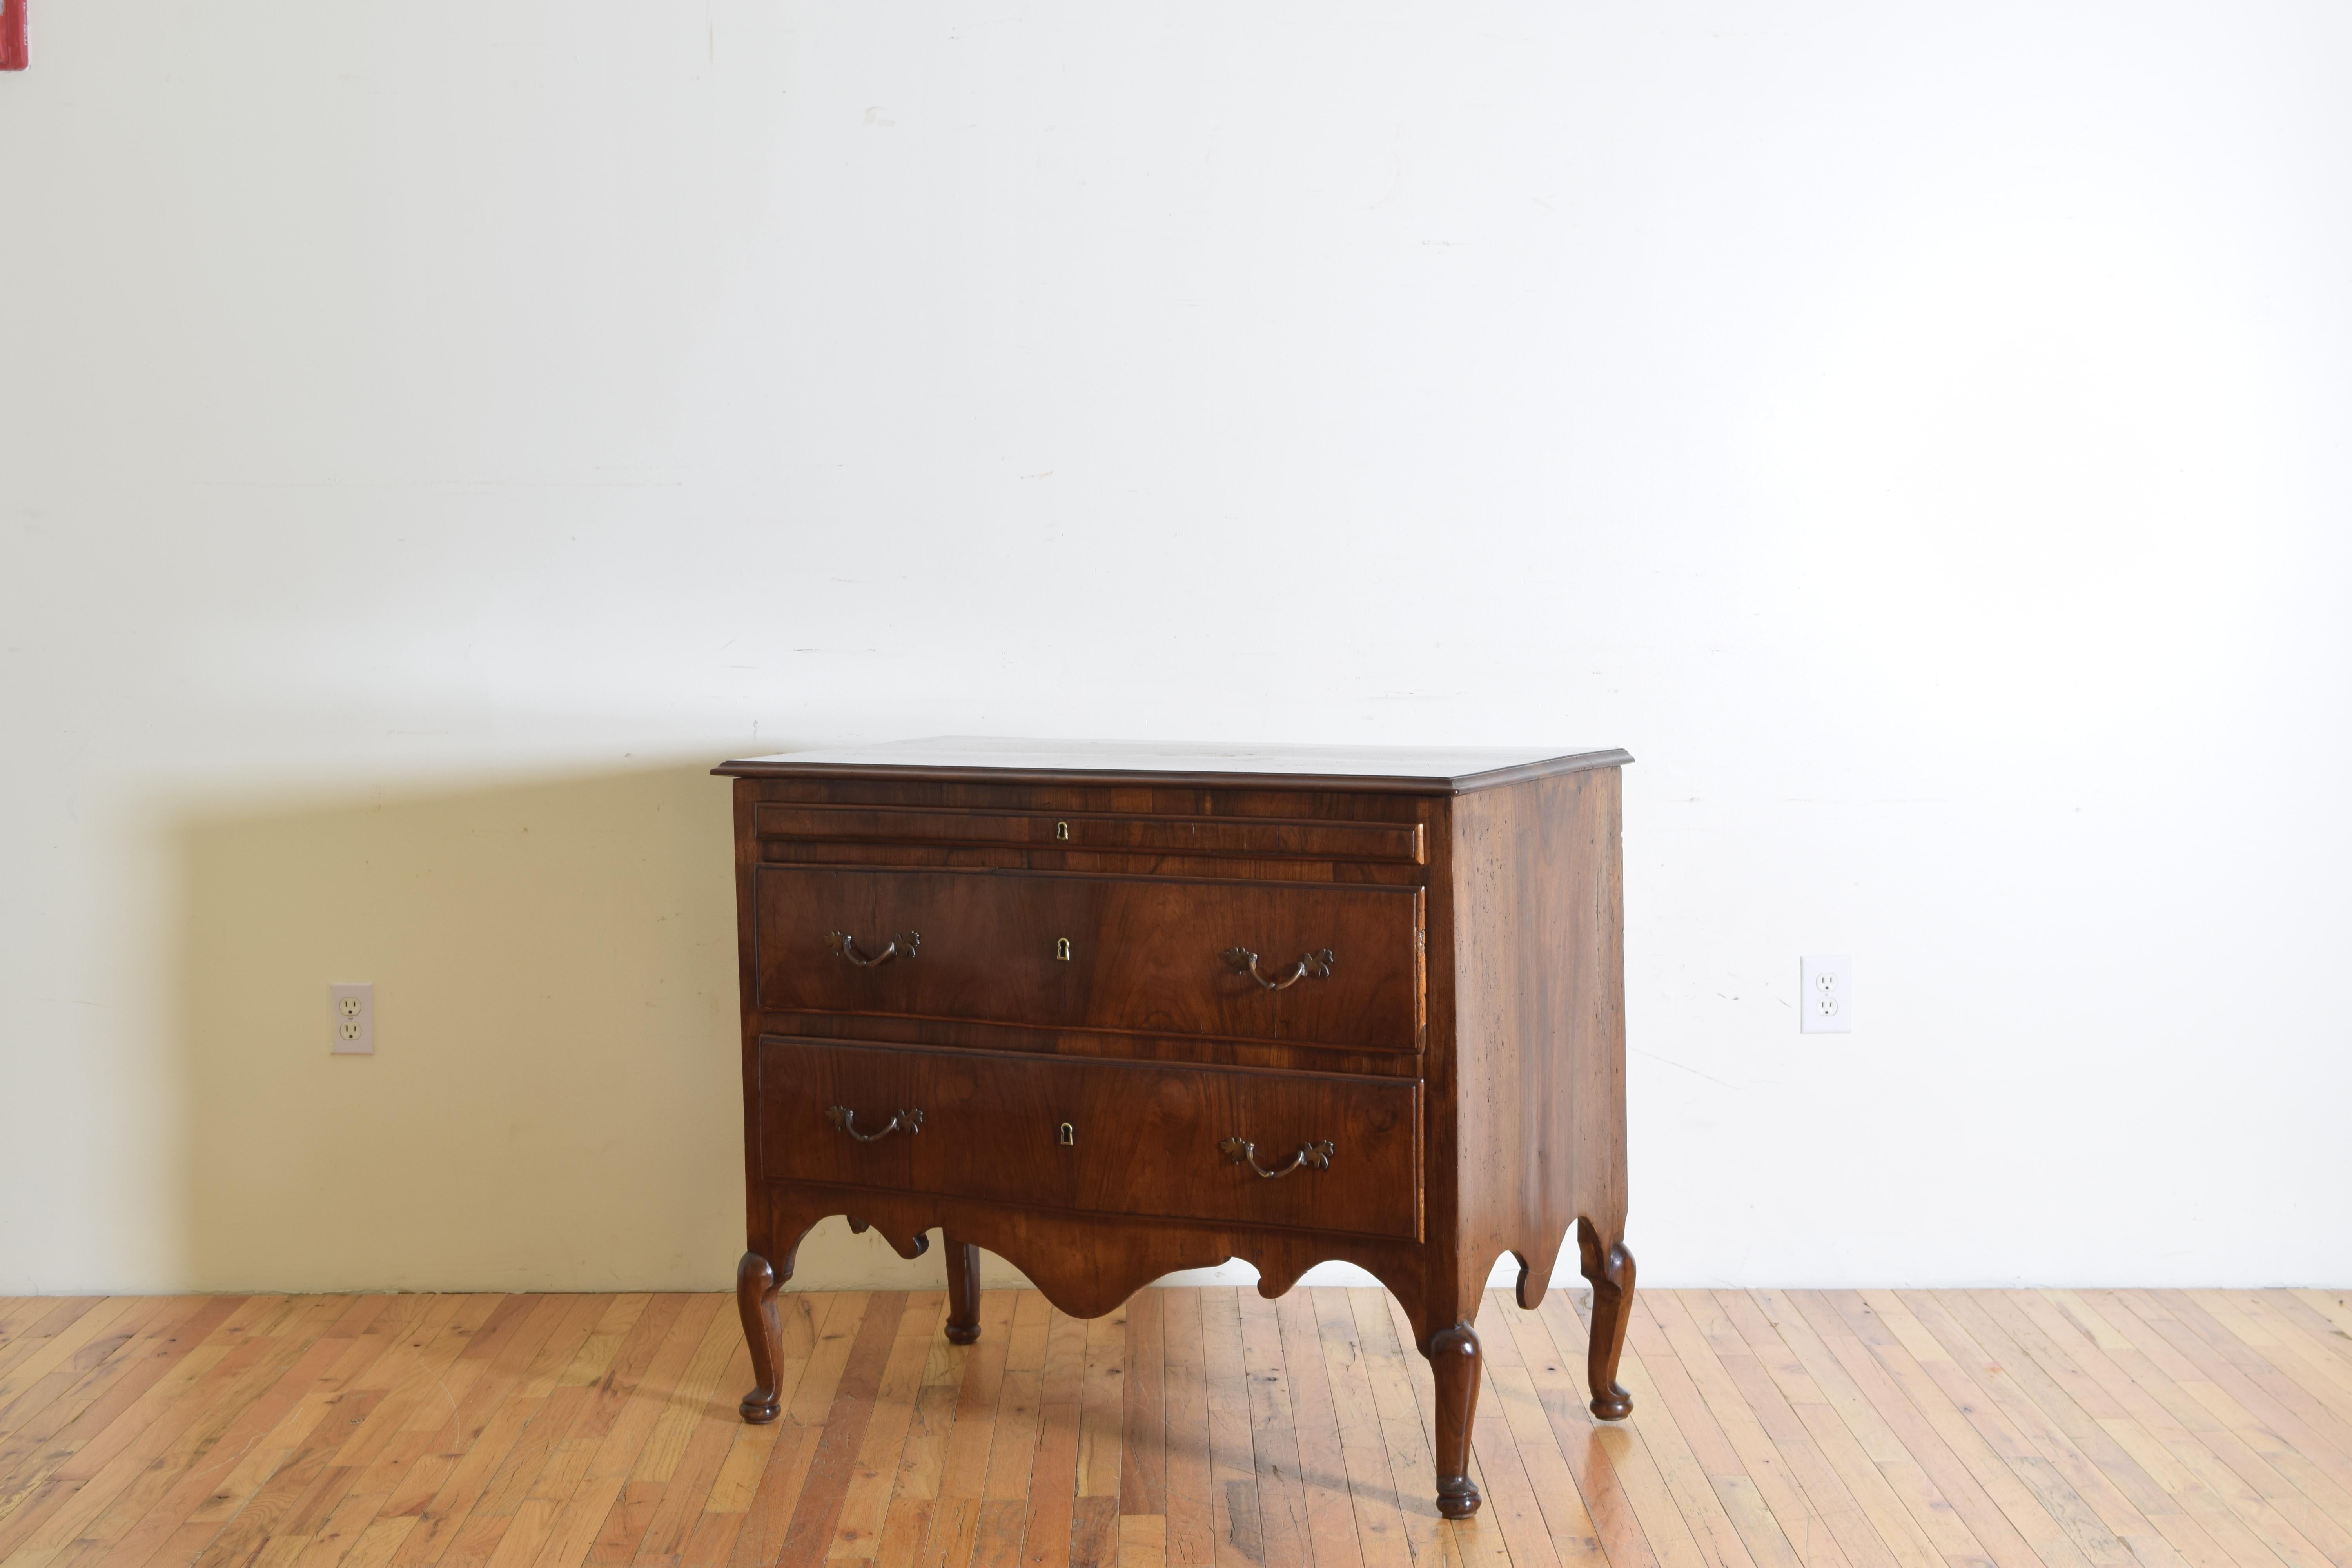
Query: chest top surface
x=1421 y=770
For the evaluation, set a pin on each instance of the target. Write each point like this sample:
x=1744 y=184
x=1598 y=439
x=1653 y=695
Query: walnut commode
x=1112 y=1010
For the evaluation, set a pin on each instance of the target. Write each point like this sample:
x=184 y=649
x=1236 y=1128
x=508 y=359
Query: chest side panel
x=1535 y=1076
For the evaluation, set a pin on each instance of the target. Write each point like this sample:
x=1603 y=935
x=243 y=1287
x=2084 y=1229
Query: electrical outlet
x=1826 y=994
x=352 y=1013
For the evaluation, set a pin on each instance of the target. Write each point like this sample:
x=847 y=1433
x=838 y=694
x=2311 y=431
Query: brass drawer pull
x=1313 y=966
x=903 y=946
x=907 y=1121
x=1315 y=1156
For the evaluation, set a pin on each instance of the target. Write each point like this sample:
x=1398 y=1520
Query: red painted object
x=13 y=54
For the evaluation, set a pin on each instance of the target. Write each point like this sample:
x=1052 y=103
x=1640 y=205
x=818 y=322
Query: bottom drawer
x=1143 y=1138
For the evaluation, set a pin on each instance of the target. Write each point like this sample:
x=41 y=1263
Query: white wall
x=1919 y=435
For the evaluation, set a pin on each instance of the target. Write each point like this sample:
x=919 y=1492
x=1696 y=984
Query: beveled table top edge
x=1387 y=770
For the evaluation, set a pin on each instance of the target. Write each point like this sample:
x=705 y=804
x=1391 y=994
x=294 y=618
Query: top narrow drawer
x=1398 y=842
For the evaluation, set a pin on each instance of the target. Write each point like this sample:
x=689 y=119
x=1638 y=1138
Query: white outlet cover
x=1826 y=994
x=351 y=1019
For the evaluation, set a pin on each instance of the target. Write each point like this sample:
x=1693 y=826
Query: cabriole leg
x=963 y=1291
x=1455 y=1360
x=1611 y=1270
x=755 y=1298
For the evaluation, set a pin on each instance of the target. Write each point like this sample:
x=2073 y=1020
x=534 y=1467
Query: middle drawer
x=1288 y=963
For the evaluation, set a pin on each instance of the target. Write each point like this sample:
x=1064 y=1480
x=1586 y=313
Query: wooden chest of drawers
x=1111 y=1010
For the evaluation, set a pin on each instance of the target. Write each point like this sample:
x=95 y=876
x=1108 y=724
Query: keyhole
x=1069 y=1136
x=1062 y=831
x=1062 y=949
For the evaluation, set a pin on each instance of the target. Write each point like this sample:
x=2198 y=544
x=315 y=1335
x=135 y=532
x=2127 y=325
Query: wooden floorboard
x=1189 y=1430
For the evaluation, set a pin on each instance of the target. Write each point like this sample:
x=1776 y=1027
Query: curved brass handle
x=907 y=1121
x=903 y=946
x=1315 y=1156
x=1313 y=966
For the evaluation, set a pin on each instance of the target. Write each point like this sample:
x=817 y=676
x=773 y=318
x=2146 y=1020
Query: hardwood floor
x=1772 y=1429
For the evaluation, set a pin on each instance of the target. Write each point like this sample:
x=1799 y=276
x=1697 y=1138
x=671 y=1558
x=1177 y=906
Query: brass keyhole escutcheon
x=1067 y=1137
x=1062 y=831
x=1062 y=949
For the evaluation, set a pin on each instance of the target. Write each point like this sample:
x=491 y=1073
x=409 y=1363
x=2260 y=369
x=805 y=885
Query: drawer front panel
x=779 y=827
x=1145 y=1139
x=1144 y=955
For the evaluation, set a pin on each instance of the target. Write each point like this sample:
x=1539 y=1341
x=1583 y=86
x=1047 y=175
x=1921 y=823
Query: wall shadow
x=554 y=1102
x=554 y=1099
